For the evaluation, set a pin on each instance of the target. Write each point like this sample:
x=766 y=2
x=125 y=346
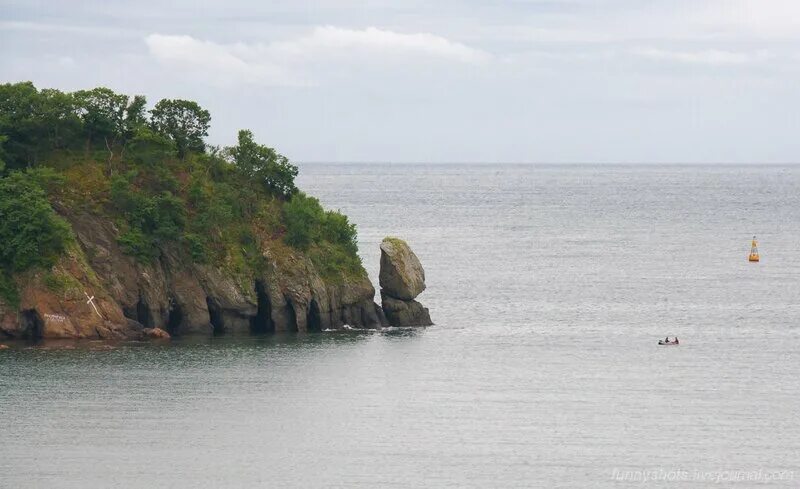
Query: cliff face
x=177 y=295
x=117 y=221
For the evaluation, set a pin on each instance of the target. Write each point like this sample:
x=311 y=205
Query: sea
x=550 y=286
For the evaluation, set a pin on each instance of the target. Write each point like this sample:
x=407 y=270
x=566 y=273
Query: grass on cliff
x=151 y=173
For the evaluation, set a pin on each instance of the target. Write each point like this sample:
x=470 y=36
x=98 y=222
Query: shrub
x=302 y=216
x=8 y=289
x=197 y=247
x=150 y=219
x=149 y=149
x=30 y=231
x=328 y=237
x=135 y=243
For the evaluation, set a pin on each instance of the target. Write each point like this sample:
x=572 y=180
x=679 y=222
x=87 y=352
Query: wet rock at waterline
x=402 y=279
x=155 y=334
x=405 y=313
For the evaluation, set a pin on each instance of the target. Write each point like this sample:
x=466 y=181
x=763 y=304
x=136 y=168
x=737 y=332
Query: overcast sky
x=442 y=81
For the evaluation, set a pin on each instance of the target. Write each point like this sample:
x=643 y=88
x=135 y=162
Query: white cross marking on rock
x=91 y=302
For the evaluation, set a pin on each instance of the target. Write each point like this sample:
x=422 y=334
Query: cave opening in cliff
x=314 y=317
x=175 y=318
x=32 y=325
x=291 y=320
x=143 y=314
x=262 y=322
x=140 y=313
x=215 y=317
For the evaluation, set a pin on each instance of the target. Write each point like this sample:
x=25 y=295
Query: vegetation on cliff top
x=153 y=175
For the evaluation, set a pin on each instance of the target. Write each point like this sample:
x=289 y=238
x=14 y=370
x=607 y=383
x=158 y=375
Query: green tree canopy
x=183 y=121
x=35 y=122
x=103 y=114
x=30 y=231
x=3 y=140
x=263 y=164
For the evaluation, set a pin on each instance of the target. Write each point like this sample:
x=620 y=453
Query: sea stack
x=402 y=279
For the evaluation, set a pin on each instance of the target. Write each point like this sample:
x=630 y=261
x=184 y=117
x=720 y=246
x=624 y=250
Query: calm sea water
x=549 y=286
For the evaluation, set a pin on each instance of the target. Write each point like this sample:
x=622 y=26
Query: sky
x=687 y=81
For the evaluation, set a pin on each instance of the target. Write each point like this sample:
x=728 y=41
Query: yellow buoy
x=753 y=251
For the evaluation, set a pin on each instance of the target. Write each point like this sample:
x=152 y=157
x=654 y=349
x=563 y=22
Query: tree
x=17 y=102
x=183 y=121
x=35 y=122
x=56 y=120
x=135 y=113
x=103 y=114
x=3 y=140
x=264 y=164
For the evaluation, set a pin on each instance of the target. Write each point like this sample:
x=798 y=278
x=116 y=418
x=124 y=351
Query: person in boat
x=666 y=340
x=676 y=340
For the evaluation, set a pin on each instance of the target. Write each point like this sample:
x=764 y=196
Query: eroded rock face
x=402 y=279
x=402 y=275
x=174 y=295
x=405 y=313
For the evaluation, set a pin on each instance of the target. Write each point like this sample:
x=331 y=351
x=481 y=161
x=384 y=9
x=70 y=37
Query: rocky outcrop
x=402 y=279
x=155 y=334
x=178 y=296
x=402 y=275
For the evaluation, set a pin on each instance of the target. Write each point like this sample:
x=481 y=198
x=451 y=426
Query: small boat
x=753 y=256
x=662 y=342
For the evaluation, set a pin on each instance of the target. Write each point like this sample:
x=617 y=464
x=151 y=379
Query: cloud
x=708 y=57
x=372 y=40
x=223 y=64
x=285 y=63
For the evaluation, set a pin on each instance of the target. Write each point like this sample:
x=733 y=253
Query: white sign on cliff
x=91 y=302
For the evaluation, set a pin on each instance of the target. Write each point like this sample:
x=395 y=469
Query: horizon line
x=553 y=163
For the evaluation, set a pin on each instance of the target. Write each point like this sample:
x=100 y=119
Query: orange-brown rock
x=155 y=334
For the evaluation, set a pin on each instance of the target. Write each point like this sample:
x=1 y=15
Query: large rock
x=405 y=313
x=402 y=279
x=402 y=275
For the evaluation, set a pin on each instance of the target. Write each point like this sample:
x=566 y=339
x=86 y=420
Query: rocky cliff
x=122 y=222
x=176 y=294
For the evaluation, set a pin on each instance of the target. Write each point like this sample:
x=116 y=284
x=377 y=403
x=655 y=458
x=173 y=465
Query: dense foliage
x=152 y=173
x=30 y=231
x=263 y=164
x=31 y=234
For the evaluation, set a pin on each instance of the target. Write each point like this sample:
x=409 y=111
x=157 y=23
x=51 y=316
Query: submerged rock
x=402 y=279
